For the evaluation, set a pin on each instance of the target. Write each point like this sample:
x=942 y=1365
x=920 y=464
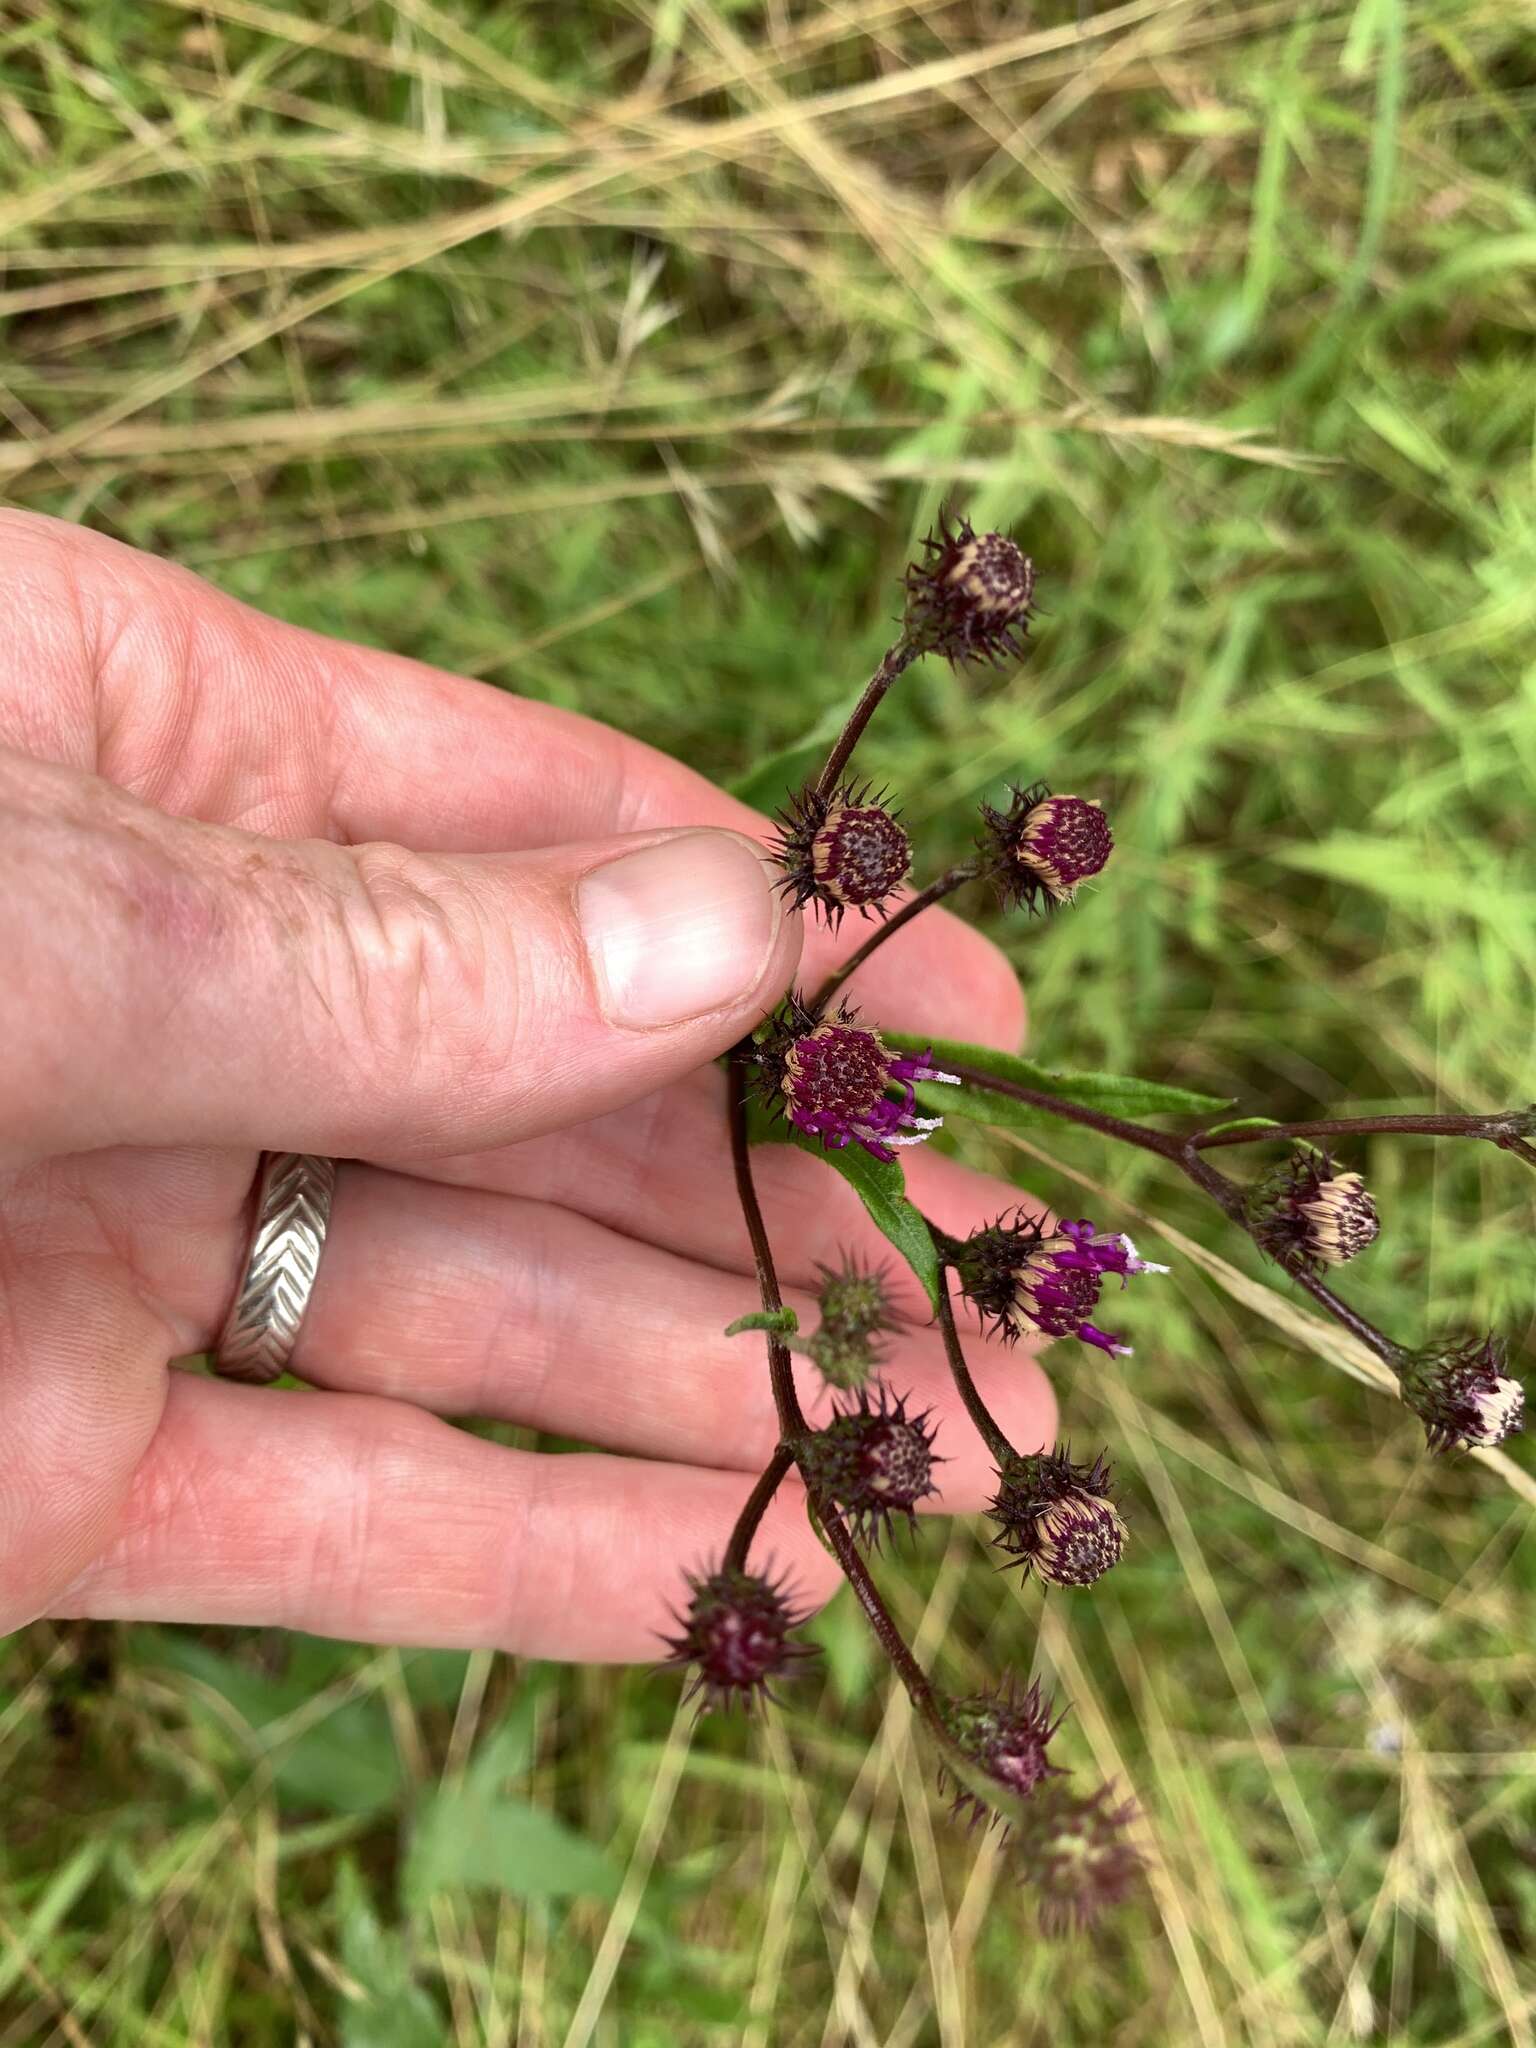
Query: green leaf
x=345 y=1763
x=502 y=1845
x=1119 y=1094
x=783 y=1320
x=879 y=1184
x=393 y=2011
x=1245 y=1123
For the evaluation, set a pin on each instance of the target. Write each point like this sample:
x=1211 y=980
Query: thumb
x=175 y=982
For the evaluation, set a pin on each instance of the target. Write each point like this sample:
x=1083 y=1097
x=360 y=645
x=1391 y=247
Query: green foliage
x=1118 y=1094
x=1227 y=313
x=782 y=1320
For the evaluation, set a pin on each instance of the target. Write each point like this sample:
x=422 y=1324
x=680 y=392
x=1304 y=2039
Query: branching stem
x=756 y=1506
x=936 y=891
x=1510 y=1129
x=986 y=1423
x=897 y=658
x=781 y=1372
x=794 y=1430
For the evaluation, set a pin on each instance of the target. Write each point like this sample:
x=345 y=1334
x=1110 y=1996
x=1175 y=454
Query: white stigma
x=1499 y=1411
x=1138 y=1263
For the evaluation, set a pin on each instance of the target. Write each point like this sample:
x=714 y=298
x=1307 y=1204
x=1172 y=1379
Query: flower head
x=856 y=1312
x=1308 y=1215
x=1043 y=847
x=841 y=1083
x=1026 y=1276
x=875 y=1461
x=1003 y=1734
x=736 y=1636
x=1057 y=1519
x=1070 y=1848
x=1462 y=1394
x=972 y=600
x=841 y=852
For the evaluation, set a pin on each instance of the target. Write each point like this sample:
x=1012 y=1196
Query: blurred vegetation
x=617 y=354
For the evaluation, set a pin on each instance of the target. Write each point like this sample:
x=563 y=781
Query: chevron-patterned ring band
x=293 y=1211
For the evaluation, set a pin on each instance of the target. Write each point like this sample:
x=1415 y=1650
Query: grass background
x=616 y=354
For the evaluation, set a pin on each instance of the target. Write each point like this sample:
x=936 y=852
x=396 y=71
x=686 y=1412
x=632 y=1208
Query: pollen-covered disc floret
x=1043 y=847
x=971 y=600
x=1308 y=1215
x=842 y=852
x=876 y=1462
x=1057 y=1519
x=736 y=1638
x=1026 y=1276
x=1003 y=1734
x=841 y=1083
x=1462 y=1394
x=856 y=1313
x=1070 y=1848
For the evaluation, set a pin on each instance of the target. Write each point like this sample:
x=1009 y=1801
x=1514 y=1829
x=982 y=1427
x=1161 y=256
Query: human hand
x=216 y=942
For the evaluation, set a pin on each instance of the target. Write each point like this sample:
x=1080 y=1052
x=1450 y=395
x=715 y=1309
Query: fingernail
x=679 y=929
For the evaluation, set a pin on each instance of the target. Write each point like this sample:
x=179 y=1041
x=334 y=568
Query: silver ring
x=293 y=1212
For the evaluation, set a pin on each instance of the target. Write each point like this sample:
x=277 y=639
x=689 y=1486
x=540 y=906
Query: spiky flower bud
x=971 y=601
x=736 y=1638
x=856 y=1312
x=841 y=852
x=1070 y=1848
x=1043 y=847
x=1003 y=1734
x=1025 y=1276
x=1461 y=1393
x=839 y=1082
x=1308 y=1215
x=1057 y=1519
x=875 y=1461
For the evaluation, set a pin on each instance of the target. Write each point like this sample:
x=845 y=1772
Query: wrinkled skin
x=263 y=889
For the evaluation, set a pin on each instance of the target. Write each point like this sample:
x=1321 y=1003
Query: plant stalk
x=780 y=1371
x=896 y=658
x=986 y=1423
x=757 y=1504
x=936 y=891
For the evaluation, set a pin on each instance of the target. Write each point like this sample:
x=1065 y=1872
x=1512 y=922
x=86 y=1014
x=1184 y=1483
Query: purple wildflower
x=972 y=600
x=1057 y=1518
x=1026 y=1277
x=1461 y=1393
x=841 y=852
x=736 y=1636
x=1307 y=1215
x=1070 y=1848
x=1003 y=1734
x=875 y=1461
x=1043 y=847
x=842 y=1084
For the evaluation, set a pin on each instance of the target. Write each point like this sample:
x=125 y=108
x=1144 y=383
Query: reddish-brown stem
x=756 y=1506
x=793 y=1428
x=897 y=658
x=946 y=885
x=1074 y=1112
x=986 y=1423
x=780 y=1371
x=1377 y=1340
x=1181 y=1152
x=1510 y=1129
x=890 y=1638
